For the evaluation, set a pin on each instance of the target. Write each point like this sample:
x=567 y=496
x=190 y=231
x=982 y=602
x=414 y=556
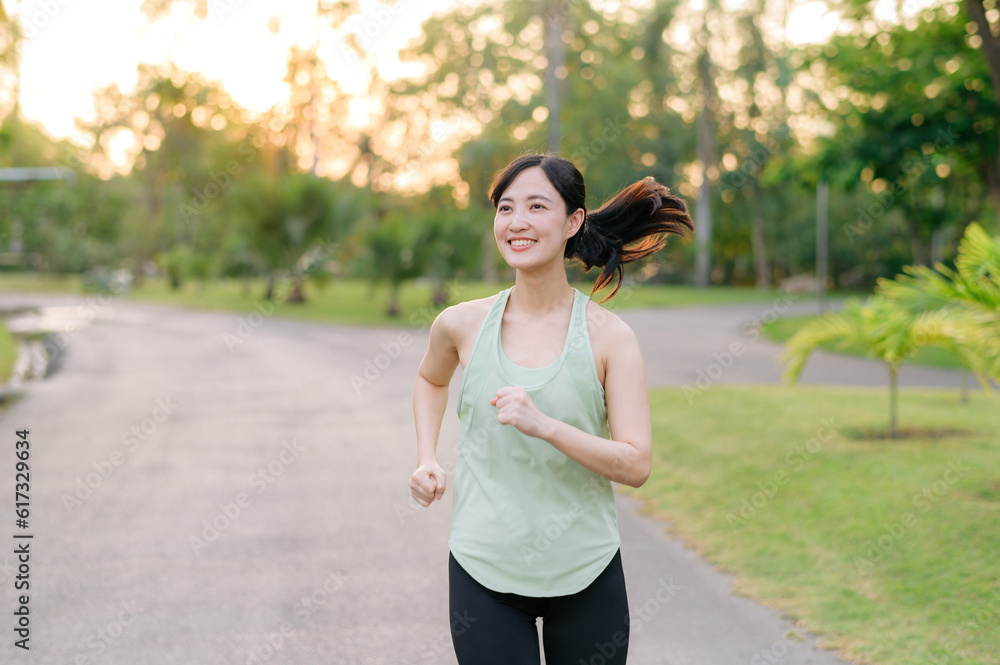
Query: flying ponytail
x=630 y=225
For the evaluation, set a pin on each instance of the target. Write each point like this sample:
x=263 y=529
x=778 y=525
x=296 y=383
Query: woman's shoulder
x=464 y=316
x=605 y=327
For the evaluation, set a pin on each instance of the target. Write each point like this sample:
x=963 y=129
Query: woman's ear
x=575 y=222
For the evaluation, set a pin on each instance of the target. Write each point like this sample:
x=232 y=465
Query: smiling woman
x=553 y=408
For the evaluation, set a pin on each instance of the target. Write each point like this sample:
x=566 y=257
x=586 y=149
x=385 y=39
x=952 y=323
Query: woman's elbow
x=636 y=473
x=639 y=476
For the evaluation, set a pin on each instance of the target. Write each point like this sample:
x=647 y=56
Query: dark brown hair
x=630 y=225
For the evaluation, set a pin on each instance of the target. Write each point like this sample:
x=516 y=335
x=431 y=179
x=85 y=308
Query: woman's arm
x=430 y=400
x=626 y=457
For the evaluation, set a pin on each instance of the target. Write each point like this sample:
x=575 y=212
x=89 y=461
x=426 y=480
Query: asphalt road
x=212 y=488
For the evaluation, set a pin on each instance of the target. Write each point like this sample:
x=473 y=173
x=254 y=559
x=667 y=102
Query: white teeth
x=522 y=243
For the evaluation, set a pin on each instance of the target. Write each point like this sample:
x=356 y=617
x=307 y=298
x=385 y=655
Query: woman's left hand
x=514 y=407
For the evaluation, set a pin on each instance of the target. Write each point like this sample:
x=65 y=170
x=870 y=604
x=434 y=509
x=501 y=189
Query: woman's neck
x=536 y=293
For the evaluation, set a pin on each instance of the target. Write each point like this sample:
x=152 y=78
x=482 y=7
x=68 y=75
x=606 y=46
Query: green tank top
x=526 y=518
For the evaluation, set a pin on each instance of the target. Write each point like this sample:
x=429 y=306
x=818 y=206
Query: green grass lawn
x=8 y=353
x=33 y=282
x=350 y=301
x=890 y=549
x=780 y=330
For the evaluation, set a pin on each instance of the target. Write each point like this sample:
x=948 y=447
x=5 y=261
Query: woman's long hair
x=630 y=225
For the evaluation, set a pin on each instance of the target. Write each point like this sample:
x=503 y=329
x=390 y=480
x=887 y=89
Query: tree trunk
x=392 y=309
x=993 y=183
x=269 y=296
x=555 y=55
x=440 y=297
x=762 y=272
x=706 y=152
x=920 y=249
x=297 y=295
x=893 y=375
x=991 y=53
x=489 y=248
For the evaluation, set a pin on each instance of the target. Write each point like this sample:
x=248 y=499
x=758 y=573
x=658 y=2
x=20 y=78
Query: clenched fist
x=514 y=407
x=427 y=483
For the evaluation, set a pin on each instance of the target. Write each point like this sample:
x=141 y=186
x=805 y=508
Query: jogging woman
x=553 y=407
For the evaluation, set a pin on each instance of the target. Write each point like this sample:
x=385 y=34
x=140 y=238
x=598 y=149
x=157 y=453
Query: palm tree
x=886 y=331
x=968 y=296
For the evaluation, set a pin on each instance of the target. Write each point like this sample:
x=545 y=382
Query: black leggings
x=585 y=628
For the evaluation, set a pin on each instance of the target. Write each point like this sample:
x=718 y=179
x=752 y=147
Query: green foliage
x=176 y=263
x=8 y=353
x=957 y=309
x=966 y=299
x=285 y=217
x=913 y=144
x=886 y=331
x=915 y=125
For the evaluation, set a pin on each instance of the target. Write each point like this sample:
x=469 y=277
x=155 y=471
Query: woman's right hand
x=427 y=483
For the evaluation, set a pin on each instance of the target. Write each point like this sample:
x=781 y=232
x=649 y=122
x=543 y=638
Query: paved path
x=193 y=503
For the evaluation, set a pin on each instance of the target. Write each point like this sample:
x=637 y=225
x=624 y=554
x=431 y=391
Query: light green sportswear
x=526 y=518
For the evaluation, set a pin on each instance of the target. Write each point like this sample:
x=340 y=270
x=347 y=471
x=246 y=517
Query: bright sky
x=76 y=46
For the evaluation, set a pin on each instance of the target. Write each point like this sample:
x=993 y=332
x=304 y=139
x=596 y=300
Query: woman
x=553 y=407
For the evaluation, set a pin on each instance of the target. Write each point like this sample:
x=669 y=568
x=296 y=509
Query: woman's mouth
x=521 y=244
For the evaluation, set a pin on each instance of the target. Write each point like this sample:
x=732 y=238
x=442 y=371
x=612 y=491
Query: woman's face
x=531 y=225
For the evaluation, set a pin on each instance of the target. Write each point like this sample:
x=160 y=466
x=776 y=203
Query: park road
x=209 y=488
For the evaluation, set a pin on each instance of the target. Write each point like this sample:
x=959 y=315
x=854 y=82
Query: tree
x=886 y=331
x=286 y=217
x=987 y=29
x=935 y=105
x=968 y=297
x=11 y=38
x=391 y=254
x=448 y=241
